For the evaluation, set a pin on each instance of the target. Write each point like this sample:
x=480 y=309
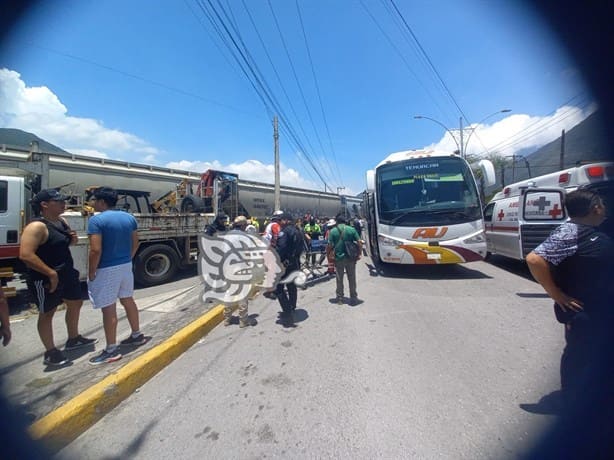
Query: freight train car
x=75 y=173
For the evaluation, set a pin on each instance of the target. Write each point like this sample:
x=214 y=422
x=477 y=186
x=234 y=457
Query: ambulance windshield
x=427 y=191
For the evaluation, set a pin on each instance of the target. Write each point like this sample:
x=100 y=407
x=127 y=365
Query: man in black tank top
x=52 y=278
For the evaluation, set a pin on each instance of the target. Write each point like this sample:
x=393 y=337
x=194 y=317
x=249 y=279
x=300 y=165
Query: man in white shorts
x=113 y=240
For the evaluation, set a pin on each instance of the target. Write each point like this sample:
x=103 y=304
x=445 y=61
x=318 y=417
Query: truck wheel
x=192 y=203
x=156 y=264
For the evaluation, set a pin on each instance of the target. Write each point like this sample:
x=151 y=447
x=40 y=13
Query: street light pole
x=462 y=147
x=420 y=117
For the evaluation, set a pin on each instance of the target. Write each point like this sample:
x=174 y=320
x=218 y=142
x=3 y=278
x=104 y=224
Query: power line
x=432 y=66
x=400 y=54
x=279 y=80
x=538 y=126
x=431 y=79
x=250 y=70
x=139 y=78
x=315 y=79
x=295 y=74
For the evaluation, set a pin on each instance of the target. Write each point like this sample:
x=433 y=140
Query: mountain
x=21 y=139
x=585 y=142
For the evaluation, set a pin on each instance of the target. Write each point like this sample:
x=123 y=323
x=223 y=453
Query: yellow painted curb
x=66 y=423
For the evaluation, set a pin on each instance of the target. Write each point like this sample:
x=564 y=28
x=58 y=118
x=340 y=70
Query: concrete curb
x=66 y=423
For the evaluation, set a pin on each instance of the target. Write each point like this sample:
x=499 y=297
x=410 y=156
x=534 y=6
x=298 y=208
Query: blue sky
x=153 y=82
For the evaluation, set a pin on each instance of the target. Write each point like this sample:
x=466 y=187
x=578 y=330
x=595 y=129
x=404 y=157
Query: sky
x=196 y=84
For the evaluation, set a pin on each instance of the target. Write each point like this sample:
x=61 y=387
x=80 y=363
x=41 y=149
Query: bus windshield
x=427 y=192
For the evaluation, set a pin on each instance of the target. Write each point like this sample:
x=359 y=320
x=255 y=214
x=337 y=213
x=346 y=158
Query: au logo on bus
x=430 y=232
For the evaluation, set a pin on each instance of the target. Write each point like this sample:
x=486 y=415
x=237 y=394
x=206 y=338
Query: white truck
x=168 y=241
x=522 y=215
x=181 y=204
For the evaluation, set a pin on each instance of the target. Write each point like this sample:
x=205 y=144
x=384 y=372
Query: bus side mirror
x=370 y=180
x=488 y=172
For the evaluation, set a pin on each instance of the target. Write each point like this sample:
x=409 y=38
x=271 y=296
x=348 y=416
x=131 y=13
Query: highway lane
x=438 y=362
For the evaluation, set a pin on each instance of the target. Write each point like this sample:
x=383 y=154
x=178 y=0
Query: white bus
x=423 y=207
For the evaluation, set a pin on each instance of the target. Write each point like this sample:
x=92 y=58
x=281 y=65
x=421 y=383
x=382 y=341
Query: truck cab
x=12 y=215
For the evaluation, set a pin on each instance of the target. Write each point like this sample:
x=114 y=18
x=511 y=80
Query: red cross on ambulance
x=555 y=211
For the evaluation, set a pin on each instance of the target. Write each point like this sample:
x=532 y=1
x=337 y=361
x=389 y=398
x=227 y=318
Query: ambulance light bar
x=595 y=171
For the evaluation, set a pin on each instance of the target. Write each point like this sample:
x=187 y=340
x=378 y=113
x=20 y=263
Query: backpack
x=297 y=245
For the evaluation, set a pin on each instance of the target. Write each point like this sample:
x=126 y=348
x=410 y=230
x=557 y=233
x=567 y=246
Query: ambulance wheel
x=155 y=264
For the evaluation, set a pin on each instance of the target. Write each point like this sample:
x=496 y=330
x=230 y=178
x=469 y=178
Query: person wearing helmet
x=271 y=232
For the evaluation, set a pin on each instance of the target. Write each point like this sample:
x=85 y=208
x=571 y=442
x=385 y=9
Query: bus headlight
x=479 y=238
x=385 y=241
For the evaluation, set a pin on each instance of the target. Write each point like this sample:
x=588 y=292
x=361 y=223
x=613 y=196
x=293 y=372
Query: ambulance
x=523 y=214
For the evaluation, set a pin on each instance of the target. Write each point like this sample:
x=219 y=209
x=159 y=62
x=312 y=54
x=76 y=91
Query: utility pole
x=562 y=156
x=462 y=149
x=276 y=142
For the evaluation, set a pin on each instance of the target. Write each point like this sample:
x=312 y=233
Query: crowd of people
x=289 y=237
x=573 y=265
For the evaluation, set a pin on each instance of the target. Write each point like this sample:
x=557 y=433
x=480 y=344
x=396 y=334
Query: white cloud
x=38 y=110
x=515 y=132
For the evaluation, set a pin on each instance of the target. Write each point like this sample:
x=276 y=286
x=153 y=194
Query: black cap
x=105 y=193
x=287 y=216
x=49 y=194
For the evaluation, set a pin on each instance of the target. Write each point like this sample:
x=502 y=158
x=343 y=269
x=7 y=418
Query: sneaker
x=354 y=301
x=138 y=340
x=79 y=342
x=106 y=357
x=54 y=357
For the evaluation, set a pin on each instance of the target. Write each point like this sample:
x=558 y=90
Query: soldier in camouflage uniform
x=240 y=223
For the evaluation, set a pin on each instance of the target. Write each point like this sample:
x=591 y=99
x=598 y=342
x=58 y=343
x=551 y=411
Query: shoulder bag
x=352 y=251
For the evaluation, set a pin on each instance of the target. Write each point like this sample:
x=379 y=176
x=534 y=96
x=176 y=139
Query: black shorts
x=69 y=288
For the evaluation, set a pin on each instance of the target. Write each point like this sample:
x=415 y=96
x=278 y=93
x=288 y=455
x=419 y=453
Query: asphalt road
x=438 y=362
